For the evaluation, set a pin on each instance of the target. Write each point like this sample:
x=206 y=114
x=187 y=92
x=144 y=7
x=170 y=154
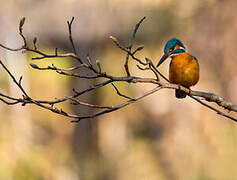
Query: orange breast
x=184 y=70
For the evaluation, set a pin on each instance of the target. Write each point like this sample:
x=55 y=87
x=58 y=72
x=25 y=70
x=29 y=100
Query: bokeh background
x=158 y=138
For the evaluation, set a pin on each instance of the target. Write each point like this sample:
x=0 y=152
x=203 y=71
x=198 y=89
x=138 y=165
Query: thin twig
x=8 y=102
x=151 y=67
x=78 y=102
x=71 y=39
x=118 y=106
x=131 y=44
x=22 y=21
x=14 y=79
x=97 y=73
x=214 y=109
x=120 y=94
x=126 y=50
x=53 y=67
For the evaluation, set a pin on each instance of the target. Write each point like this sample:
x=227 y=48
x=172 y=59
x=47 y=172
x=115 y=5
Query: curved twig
x=107 y=79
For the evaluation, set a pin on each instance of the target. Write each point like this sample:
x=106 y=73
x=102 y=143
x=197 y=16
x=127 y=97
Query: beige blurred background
x=158 y=138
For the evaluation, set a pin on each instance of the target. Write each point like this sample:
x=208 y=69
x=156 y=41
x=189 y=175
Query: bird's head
x=172 y=47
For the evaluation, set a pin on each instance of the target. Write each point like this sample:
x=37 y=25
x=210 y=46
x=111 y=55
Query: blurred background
x=159 y=137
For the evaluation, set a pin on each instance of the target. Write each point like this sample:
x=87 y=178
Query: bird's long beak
x=163 y=58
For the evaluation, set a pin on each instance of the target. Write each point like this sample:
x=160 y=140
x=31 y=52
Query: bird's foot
x=189 y=91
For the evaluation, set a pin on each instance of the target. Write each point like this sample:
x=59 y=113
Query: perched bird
x=184 y=68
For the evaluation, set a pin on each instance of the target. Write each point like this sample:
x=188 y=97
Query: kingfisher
x=183 y=69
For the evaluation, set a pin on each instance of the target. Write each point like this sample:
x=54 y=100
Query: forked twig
x=120 y=94
x=97 y=73
x=129 y=48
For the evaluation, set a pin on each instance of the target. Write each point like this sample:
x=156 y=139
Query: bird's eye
x=171 y=49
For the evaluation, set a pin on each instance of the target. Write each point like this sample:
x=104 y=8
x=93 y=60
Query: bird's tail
x=180 y=94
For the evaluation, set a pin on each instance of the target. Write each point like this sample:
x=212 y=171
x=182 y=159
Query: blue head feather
x=172 y=43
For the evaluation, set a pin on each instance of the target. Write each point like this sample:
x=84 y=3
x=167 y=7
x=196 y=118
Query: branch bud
x=148 y=61
x=22 y=21
x=34 y=66
x=98 y=64
x=140 y=48
x=114 y=39
x=35 y=40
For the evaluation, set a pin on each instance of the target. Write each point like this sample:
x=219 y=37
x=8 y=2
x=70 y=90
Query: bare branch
x=136 y=28
x=114 y=39
x=78 y=102
x=53 y=67
x=107 y=79
x=211 y=97
x=11 y=49
x=214 y=109
x=143 y=68
x=129 y=48
x=8 y=102
x=151 y=67
x=120 y=94
x=70 y=37
x=118 y=106
x=14 y=79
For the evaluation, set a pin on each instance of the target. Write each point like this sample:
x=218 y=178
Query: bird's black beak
x=163 y=58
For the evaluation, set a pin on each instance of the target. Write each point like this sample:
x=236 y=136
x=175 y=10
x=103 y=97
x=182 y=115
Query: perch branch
x=97 y=73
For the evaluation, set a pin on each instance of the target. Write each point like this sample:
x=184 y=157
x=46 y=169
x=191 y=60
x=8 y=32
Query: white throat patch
x=173 y=55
